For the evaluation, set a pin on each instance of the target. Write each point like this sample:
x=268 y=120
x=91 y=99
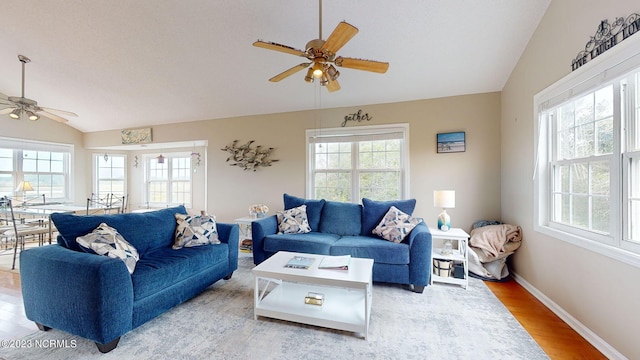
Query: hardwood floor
x=555 y=337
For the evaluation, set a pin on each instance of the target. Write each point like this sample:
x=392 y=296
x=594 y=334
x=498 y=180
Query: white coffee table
x=279 y=293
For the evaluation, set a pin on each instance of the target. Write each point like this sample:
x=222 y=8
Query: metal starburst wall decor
x=249 y=157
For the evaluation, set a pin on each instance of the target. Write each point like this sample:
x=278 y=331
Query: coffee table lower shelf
x=342 y=309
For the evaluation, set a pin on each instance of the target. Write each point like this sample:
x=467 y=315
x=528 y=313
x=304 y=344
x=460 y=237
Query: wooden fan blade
x=52 y=116
x=63 y=112
x=279 y=47
x=332 y=85
x=289 y=72
x=359 y=64
x=340 y=36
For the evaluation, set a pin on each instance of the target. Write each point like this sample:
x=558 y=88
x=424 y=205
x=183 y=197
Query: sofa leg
x=228 y=277
x=42 y=327
x=418 y=288
x=105 y=348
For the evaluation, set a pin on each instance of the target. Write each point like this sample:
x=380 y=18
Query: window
x=365 y=161
x=588 y=164
x=169 y=182
x=110 y=177
x=46 y=166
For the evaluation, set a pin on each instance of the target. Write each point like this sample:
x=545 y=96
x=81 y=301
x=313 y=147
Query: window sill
x=612 y=252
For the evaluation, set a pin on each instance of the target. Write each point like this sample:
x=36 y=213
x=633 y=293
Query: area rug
x=445 y=322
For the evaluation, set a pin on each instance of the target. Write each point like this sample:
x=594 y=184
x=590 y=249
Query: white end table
x=244 y=225
x=459 y=255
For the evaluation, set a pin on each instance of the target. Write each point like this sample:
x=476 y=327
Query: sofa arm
x=260 y=228
x=229 y=234
x=420 y=243
x=84 y=294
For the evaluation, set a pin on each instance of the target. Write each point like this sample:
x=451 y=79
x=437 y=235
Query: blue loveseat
x=96 y=297
x=339 y=228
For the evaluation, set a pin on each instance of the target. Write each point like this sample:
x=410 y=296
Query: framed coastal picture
x=451 y=142
x=136 y=136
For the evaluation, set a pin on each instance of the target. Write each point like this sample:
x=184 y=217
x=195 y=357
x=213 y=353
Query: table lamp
x=23 y=187
x=445 y=199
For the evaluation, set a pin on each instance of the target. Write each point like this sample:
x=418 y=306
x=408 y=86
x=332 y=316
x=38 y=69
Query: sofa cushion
x=313 y=242
x=162 y=268
x=373 y=212
x=106 y=241
x=195 y=230
x=341 y=218
x=145 y=231
x=293 y=221
x=384 y=252
x=314 y=209
x=395 y=225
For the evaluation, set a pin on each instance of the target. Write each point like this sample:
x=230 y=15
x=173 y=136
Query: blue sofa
x=96 y=297
x=339 y=228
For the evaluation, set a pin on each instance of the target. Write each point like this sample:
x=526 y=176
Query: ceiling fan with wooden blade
x=19 y=105
x=322 y=56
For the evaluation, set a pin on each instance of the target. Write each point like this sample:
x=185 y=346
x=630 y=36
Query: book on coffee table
x=300 y=262
x=335 y=262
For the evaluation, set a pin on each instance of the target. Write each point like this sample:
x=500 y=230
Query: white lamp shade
x=24 y=186
x=445 y=199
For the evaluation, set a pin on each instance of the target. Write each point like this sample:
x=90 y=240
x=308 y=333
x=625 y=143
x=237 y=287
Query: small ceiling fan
x=19 y=106
x=322 y=56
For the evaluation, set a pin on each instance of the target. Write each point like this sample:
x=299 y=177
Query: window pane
x=604 y=136
x=380 y=186
x=601 y=218
x=600 y=178
x=6 y=185
x=579 y=179
x=604 y=103
x=6 y=160
x=584 y=140
x=337 y=186
x=634 y=200
x=580 y=213
x=584 y=110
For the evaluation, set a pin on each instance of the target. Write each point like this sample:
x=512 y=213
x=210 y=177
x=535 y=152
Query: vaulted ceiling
x=126 y=63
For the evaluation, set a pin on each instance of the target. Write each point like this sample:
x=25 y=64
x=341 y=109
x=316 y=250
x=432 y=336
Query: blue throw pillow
x=145 y=231
x=314 y=209
x=373 y=212
x=341 y=218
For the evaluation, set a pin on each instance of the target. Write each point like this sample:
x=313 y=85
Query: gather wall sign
x=357 y=117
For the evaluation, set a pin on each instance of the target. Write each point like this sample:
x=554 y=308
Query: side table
x=459 y=255
x=244 y=225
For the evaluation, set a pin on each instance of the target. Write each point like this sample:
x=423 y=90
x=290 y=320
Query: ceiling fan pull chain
x=320 y=19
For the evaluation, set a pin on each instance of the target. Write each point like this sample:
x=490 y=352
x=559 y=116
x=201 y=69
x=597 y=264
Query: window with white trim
x=46 y=166
x=169 y=182
x=352 y=163
x=588 y=157
x=111 y=175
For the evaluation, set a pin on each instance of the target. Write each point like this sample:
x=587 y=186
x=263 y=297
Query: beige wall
x=594 y=290
x=474 y=174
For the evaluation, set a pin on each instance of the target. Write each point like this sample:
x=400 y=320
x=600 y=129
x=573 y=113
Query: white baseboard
x=604 y=347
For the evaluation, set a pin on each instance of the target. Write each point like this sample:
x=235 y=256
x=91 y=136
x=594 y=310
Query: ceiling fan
x=19 y=106
x=322 y=56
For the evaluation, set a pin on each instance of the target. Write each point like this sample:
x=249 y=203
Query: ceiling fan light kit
x=322 y=55
x=18 y=105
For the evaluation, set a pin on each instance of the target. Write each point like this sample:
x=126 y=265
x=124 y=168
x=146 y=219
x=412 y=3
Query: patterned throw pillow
x=107 y=241
x=293 y=221
x=395 y=225
x=195 y=230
